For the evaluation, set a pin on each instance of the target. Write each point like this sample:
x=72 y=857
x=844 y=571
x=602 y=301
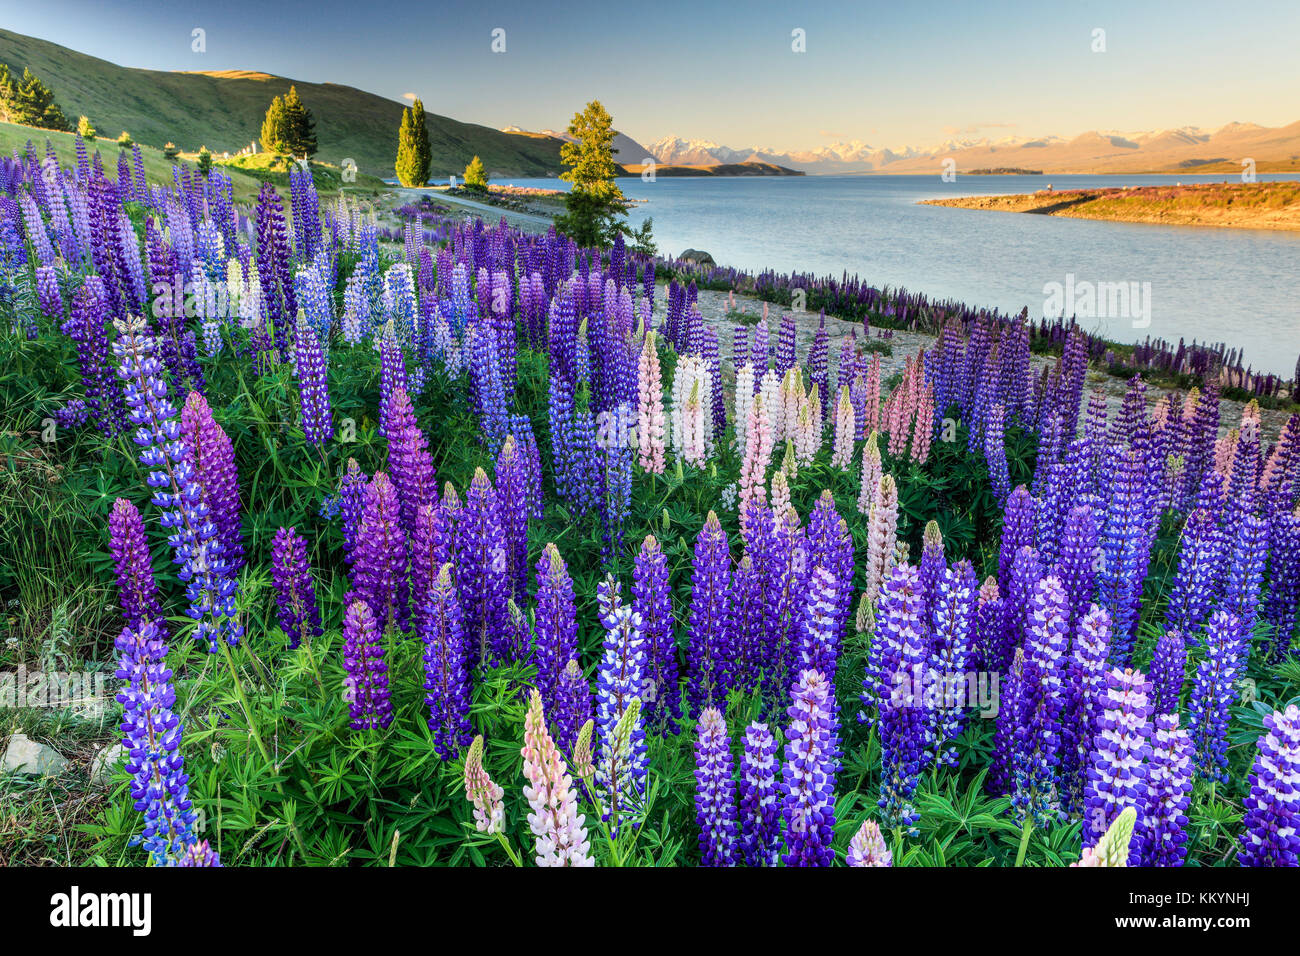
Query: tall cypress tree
x=413 y=153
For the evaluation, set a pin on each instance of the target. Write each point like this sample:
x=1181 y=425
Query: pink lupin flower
x=867 y=848
x=923 y=430
x=842 y=452
x=650 y=409
x=758 y=450
x=780 y=492
x=486 y=796
x=871 y=472
x=882 y=535
x=872 y=422
x=559 y=829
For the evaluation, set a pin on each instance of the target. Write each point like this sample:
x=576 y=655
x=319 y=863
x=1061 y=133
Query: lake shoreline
x=1271 y=206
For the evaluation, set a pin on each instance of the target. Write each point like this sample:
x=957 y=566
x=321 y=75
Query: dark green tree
x=414 y=156
x=205 y=161
x=595 y=206
x=476 y=177
x=300 y=127
x=29 y=102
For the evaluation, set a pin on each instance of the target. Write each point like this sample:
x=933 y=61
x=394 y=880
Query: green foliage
x=642 y=239
x=275 y=127
x=124 y=141
x=595 y=205
x=277 y=775
x=29 y=102
x=299 y=127
x=414 y=156
x=171 y=151
x=204 y=162
x=476 y=179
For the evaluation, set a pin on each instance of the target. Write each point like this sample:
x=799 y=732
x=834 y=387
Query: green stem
x=1026 y=829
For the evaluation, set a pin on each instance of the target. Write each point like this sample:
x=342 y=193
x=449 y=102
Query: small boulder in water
x=698 y=257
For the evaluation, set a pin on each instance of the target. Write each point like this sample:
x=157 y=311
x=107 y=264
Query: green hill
x=223 y=111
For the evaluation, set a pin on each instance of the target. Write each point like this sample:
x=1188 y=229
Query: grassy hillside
x=157 y=169
x=223 y=111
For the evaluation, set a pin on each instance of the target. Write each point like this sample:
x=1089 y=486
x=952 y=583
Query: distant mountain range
x=1187 y=149
x=224 y=110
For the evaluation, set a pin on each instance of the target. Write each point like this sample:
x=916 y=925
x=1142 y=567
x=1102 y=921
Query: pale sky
x=911 y=73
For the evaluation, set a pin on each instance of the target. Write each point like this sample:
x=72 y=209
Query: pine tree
x=413 y=153
x=476 y=176
x=275 y=128
x=204 y=162
x=595 y=204
x=300 y=128
x=29 y=102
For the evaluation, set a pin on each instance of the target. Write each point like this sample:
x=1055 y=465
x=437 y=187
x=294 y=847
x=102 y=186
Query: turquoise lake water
x=1233 y=285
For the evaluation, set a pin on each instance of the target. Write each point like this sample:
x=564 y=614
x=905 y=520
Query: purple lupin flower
x=213 y=459
x=1017 y=532
x=136 y=590
x=431 y=547
x=1168 y=671
x=1245 y=573
x=1084 y=693
x=379 y=569
x=812 y=759
x=151 y=734
x=1117 y=772
x=652 y=601
x=392 y=374
x=572 y=704
x=313 y=384
x=351 y=502
x=995 y=454
x=208 y=585
x=1199 y=566
x=760 y=809
x=1011 y=714
x=555 y=623
x=1125 y=549
x=409 y=463
x=1038 y=750
x=903 y=637
x=1078 y=560
x=953 y=617
x=1169 y=792
x=366 y=686
x=1270 y=834
x=86 y=327
x=706 y=653
x=1213 y=691
x=481 y=572
x=715 y=791
x=831 y=545
x=744 y=639
x=619 y=681
x=295 y=592
x=512 y=495
x=1283 y=602
x=819 y=644
x=446 y=680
